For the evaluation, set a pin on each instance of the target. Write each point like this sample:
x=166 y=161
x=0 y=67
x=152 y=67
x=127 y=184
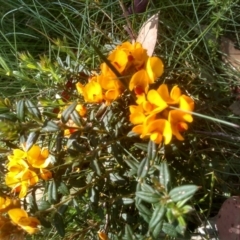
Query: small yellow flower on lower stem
x=21 y=218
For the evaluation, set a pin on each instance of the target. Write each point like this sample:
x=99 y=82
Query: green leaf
x=152 y=151
x=43 y=205
x=182 y=192
x=169 y=229
x=67 y=112
x=52 y=192
x=157 y=216
x=59 y=224
x=50 y=126
x=96 y=166
x=128 y=233
x=147 y=188
x=142 y=208
x=8 y=116
x=32 y=109
x=20 y=109
x=164 y=176
x=148 y=196
x=142 y=146
x=143 y=168
x=133 y=164
x=157 y=230
x=127 y=201
x=170 y=216
x=63 y=189
x=32 y=138
x=94 y=195
x=76 y=118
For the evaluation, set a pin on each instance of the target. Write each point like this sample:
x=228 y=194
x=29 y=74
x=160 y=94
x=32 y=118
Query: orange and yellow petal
x=45 y=174
x=186 y=103
x=139 y=82
x=154 y=98
x=174 y=96
x=158 y=129
x=154 y=68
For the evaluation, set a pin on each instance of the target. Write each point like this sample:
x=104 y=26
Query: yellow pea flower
x=159 y=130
x=173 y=97
x=178 y=123
x=37 y=157
x=21 y=218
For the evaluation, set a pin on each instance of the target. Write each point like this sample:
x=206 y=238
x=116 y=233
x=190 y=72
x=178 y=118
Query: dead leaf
x=147 y=35
x=231 y=54
x=228 y=221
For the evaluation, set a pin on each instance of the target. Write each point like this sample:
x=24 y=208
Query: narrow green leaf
x=148 y=196
x=96 y=166
x=32 y=109
x=152 y=150
x=67 y=112
x=169 y=229
x=147 y=188
x=164 y=176
x=32 y=138
x=94 y=195
x=52 y=192
x=157 y=230
x=143 y=168
x=128 y=233
x=182 y=192
x=43 y=205
x=8 y=116
x=50 y=126
x=132 y=164
x=157 y=216
x=127 y=201
x=143 y=209
x=142 y=146
x=76 y=118
x=59 y=224
x=63 y=189
x=20 y=109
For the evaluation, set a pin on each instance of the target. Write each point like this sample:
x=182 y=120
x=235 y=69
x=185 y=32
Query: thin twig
x=128 y=28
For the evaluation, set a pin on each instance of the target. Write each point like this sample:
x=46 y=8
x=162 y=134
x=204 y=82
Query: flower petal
x=16 y=214
x=154 y=98
x=154 y=68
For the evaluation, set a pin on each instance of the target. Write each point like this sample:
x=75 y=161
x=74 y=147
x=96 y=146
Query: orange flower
x=92 y=91
x=37 y=157
x=173 y=97
x=21 y=218
x=178 y=123
x=159 y=130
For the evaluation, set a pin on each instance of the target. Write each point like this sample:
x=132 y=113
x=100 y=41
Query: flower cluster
x=25 y=167
x=136 y=70
x=158 y=113
x=17 y=218
x=154 y=117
